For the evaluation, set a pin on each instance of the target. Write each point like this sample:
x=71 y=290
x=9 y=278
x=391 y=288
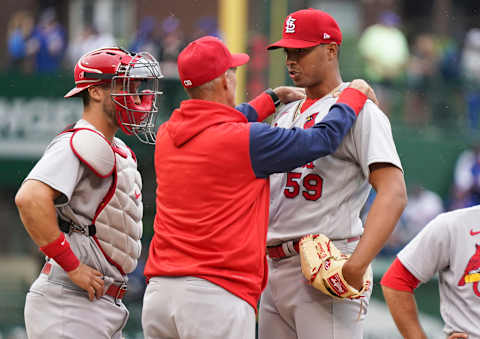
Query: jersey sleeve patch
x=94 y=151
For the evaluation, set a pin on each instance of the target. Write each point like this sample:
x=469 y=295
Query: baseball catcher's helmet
x=132 y=76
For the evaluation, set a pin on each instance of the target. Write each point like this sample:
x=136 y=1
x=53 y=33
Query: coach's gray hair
x=200 y=91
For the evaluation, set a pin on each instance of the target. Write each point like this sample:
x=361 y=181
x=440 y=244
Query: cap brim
x=292 y=43
x=239 y=59
x=74 y=91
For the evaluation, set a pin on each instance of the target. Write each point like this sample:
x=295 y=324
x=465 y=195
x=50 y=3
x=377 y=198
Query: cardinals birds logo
x=472 y=271
x=310 y=121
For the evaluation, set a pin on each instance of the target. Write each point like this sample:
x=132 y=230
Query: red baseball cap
x=308 y=28
x=206 y=59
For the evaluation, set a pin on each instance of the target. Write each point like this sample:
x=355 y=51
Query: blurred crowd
x=421 y=78
x=434 y=75
x=430 y=80
x=36 y=46
x=42 y=46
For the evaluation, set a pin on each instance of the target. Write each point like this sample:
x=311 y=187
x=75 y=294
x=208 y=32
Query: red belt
x=290 y=248
x=283 y=250
x=117 y=291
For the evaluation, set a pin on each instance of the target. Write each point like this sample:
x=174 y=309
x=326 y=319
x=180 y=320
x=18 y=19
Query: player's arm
x=274 y=150
x=265 y=104
x=386 y=209
x=398 y=285
x=403 y=307
x=35 y=203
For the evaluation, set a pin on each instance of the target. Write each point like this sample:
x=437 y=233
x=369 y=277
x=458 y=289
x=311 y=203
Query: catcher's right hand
x=322 y=265
x=88 y=279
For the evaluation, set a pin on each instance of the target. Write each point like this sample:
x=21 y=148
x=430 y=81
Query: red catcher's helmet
x=134 y=79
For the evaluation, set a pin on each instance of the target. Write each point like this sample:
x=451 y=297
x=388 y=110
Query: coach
x=206 y=264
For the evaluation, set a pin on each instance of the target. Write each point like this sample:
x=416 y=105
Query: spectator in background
x=421 y=70
x=173 y=42
x=470 y=65
x=466 y=185
x=206 y=25
x=20 y=28
x=385 y=51
x=89 y=40
x=147 y=38
x=48 y=43
x=449 y=61
x=423 y=205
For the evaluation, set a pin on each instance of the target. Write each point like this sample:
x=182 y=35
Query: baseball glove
x=322 y=265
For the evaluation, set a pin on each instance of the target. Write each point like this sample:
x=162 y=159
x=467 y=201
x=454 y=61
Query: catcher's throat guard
x=322 y=265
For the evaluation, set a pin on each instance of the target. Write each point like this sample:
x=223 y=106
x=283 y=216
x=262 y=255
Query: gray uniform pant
x=290 y=308
x=194 y=308
x=53 y=310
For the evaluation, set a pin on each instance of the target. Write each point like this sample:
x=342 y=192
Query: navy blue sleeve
x=248 y=111
x=276 y=150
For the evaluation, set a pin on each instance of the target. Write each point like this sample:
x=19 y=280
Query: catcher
x=81 y=203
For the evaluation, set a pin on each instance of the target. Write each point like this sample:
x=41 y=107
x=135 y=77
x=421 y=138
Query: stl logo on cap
x=187 y=83
x=290 y=25
x=308 y=28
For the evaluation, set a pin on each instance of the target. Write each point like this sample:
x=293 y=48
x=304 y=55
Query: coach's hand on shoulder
x=365 y=88
x=88 y=279
x=288 y=94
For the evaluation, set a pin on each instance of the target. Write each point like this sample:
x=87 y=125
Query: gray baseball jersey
x=450 y=245
x=81 y=193
x=326 y=195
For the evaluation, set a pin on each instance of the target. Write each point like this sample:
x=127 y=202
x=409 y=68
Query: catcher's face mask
x=135 y=93
x=134 y=82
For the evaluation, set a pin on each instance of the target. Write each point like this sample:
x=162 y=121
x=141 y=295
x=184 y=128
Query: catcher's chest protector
x=118 y=219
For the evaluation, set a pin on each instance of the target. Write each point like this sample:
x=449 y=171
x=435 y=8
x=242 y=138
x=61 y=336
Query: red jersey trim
x=307 y=103
x=399 y=278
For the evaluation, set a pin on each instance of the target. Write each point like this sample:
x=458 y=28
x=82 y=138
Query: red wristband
x=60 y=251
x=353 y=98
x=264 y=106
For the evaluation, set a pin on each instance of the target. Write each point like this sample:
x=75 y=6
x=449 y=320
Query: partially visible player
x=327 y=194
x=450 y=246
x=81 y=203
x=206 y=264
